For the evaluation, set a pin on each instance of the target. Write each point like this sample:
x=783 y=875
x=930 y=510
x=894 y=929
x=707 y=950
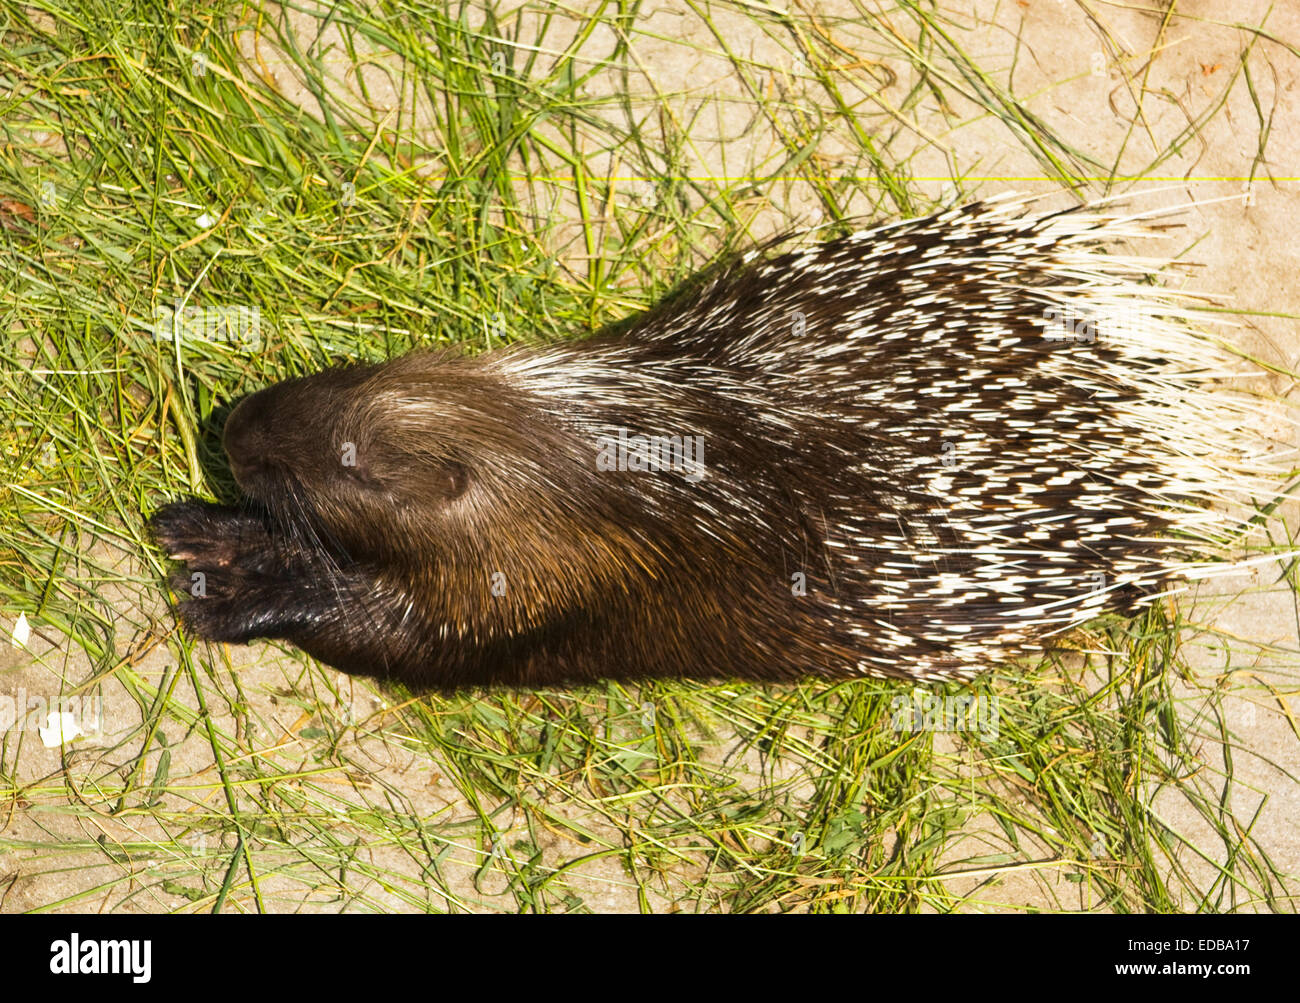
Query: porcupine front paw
x=211 y=535
x=233 y=569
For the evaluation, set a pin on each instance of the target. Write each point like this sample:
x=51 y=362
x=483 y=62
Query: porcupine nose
x=246 y=437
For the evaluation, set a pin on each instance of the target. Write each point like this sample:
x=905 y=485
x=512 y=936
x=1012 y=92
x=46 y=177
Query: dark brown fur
x=600 y=578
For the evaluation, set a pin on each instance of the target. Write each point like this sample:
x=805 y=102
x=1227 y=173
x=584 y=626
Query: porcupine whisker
x=309 y=529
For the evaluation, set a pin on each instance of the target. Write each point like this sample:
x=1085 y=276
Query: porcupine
x=926 y=447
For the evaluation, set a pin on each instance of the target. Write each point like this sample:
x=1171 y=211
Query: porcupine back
x=962 y=433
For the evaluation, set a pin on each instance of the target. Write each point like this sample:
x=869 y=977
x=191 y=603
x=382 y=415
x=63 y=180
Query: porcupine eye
x=358 y=464
x=440 y=482
x=406 y=480
x=452 y=480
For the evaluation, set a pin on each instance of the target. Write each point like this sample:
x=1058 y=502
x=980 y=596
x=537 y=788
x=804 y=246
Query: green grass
x=509 y=186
